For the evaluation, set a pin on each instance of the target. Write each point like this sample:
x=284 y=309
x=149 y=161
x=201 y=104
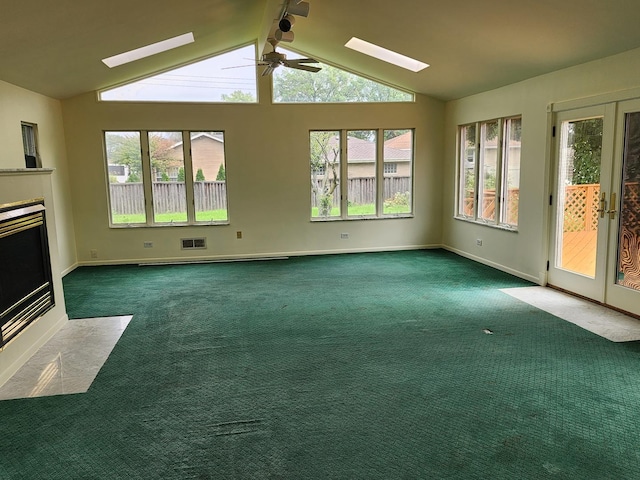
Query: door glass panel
x=578 y=195
x=629 y=231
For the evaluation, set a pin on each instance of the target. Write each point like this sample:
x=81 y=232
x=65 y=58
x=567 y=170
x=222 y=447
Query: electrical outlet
x=94 y=253
x=344 y=236
x=148 y=244
x=479 y=242
x=238 y=235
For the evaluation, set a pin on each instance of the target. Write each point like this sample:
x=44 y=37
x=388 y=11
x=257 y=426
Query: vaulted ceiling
x=55 y=48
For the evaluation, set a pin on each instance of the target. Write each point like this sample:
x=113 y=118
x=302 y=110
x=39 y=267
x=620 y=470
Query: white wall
x=20 y=105
x=524 y=252
x=267 y=177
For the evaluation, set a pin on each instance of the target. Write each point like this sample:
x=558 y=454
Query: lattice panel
x=631 y=206
x=581 y=208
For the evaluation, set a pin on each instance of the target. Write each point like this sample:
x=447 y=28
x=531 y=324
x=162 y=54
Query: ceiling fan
x=273 y=60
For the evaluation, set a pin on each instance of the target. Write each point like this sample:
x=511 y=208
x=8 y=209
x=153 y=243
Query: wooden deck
x=579 y=252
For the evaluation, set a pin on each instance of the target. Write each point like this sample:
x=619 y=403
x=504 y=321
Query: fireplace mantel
x=26 y=171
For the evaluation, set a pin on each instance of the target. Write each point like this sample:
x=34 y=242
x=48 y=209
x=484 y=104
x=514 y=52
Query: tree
x=181 y=175
x=133 y=178
x=325 y=164
x=586 y=141
x=164 y=177
x=330 y=85
x=124 y=149
x=199 y=175
x=222 y=175
x=238 y=96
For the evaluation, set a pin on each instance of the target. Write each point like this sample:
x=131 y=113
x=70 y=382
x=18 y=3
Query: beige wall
x=266 y=148
x=17 y=105
x=525 y=252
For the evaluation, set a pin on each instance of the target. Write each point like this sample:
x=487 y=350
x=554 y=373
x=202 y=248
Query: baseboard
x=495 y=265
x=256 y=256
x=66 y=271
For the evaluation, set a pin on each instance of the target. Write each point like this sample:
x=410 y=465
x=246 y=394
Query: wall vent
x=193 y=243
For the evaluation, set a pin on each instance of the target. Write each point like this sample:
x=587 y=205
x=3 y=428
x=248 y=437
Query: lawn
x=178 y=217
x=368 y=209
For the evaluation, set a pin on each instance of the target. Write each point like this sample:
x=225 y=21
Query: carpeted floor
x=398 y=365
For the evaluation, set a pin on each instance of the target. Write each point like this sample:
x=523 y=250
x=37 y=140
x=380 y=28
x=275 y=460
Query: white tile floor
x=595 y=318
x=70 y=361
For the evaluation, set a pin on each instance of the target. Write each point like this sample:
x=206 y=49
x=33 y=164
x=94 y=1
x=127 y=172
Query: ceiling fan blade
x=303 y=60
x=268 y=70
x=299 y=66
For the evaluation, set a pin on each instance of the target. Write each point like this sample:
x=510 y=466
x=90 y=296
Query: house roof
x=201 y=136
x=363 y=151
x=55 y=48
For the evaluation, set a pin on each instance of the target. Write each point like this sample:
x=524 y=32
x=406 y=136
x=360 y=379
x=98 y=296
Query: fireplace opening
x=26 y=286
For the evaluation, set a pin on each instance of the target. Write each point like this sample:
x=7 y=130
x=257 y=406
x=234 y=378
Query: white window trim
x=147 y=185
x=461 y=156
x=379 y=169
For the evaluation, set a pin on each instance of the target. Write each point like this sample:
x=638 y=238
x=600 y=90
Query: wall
x=267 y=170
x=525 y=252
x=20 y=105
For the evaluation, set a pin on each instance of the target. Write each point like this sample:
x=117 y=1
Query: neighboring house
x=361 y=156
x=118 y=172
x=207 y=154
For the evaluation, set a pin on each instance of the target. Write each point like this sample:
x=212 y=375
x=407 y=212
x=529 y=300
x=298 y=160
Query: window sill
x=351 y=219
x=163 y=225
x=507 y=228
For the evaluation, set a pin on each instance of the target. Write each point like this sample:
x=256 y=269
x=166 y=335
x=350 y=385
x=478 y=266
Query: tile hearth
x=70 y=361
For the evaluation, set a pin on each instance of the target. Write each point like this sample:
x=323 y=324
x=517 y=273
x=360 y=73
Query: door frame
x=622 y=102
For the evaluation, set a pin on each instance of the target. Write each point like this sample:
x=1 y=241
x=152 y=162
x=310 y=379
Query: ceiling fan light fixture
x=148 y=50
x=281 y=36
x=385 y=55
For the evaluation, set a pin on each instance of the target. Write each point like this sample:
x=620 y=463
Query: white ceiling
x=55 y=48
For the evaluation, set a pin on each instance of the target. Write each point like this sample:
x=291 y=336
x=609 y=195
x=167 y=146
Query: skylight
x=385 y=55
x=148 y=50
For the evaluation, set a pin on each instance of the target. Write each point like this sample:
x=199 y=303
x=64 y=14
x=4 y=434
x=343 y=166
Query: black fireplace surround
x=26 y=286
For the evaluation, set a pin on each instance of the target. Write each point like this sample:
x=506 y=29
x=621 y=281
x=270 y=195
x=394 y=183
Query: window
x=330 y=85
x=489 y=171
x=214 y=79
x=166 y=178
x=30 y=145
x=390 y=168
x=371 y=188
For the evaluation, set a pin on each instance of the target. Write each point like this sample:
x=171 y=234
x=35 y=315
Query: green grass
x=207 y=216
x=368 y=209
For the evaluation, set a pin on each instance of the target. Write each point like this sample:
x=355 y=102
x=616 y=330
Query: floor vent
x=193 y=243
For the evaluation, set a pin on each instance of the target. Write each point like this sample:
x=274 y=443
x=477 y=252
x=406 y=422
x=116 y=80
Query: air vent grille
x=193 y=243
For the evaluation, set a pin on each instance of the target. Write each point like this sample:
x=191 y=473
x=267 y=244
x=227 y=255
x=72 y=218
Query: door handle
x=603 y=205
x=612 y=212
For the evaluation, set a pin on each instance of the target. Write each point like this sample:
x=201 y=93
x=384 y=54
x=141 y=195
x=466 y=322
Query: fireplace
x=26 y=286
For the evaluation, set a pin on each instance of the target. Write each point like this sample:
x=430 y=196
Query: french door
x=595 y=227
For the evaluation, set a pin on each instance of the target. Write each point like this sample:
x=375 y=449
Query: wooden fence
x=168 y=197
x=362 y=190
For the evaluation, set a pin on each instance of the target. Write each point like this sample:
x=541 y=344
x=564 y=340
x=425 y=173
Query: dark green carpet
x=365 y=366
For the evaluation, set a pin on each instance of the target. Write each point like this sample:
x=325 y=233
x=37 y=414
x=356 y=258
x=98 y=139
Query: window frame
x=147 y=182
x=502 y=159
x=379 y=176
x=30 y=147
